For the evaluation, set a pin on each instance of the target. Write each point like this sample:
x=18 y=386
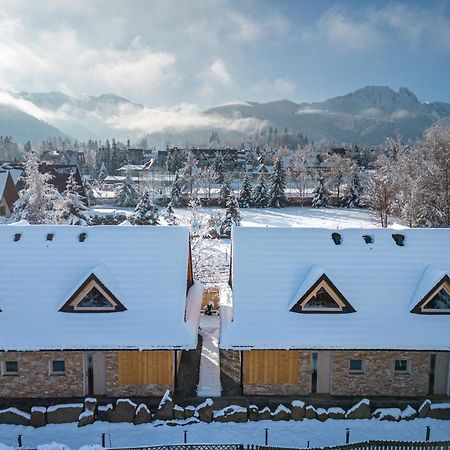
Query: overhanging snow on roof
x=379 y=279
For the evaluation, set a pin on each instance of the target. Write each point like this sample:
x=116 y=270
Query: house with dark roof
x=94 y=310
x=354 y=312
x=8 y=193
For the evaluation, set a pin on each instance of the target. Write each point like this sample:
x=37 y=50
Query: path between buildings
x=209 y=378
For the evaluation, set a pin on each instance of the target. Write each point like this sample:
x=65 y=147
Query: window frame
x=52 y=367
x=407 y=370
x=357 y=371
x=9 y=373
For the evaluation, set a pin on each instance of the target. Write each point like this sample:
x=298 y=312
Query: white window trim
x=57 y=373
x=5 y=373
x=403 y=372
x=363 y=366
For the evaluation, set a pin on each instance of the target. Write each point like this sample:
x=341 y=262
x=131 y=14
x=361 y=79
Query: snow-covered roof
x=3 y=179
x=144 y=267
x=382 y=281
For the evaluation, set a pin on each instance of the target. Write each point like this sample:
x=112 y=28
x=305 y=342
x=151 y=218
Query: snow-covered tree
x=224 y=193
x=232 y=217
x=321 y=195
x=189 y=174
x=70 y=209
x=196 y=219
x=175 y=192
x=339 y=175
x=89 y=191
x=169 y=215
x=103 y=172
x=353 y=191
x=277 y=197
x=218 y=167
x=259 y=196
x=126 y=194
x=146 y=213
x=245 y=194
x=38 y=199
x=208 y=177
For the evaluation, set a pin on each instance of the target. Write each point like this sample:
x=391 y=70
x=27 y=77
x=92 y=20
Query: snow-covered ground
x=287 y=434
x=209 y=378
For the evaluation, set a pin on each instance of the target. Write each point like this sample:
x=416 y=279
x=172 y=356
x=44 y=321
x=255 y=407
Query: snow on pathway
x=209 y=378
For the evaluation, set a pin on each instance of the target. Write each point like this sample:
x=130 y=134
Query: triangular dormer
x=437 y=300
x=92 y=297
x=321 y=297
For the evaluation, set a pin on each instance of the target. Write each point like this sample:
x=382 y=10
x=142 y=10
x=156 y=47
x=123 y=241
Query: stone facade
x=378 y=379
x=35 y=380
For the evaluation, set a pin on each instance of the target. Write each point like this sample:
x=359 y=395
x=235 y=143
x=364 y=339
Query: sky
x=211 y=52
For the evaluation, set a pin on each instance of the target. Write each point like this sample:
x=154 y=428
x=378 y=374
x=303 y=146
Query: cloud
x=279 y=87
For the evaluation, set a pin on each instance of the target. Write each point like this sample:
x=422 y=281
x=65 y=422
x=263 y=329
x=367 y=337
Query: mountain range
x=365 y=116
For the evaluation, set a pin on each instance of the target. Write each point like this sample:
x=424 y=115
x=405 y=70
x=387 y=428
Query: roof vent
x=82 y=237
x=368 y=239
x=337 y=238
x=17 y=237
x=399 y=239
x=50 y=236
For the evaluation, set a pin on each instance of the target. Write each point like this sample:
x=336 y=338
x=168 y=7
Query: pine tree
x=225 y=190
x=103 y=172
x=353 y=193
x=196 y=220
x=232 y=217
x=38 y=198
x=277 y=197
x=71 y=210
x=126 y=193
x=175 y=193
x=218 y=167
x=88 y=189
x=146 y=213
x=169 y=215
x=321 y=195
x=189 y=174
x=245 y=194
x=259 y=196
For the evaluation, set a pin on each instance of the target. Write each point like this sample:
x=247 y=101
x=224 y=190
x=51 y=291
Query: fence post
x=266 y=438
x=19 y=440
x=185 y=436
x=427 y=434
x=347 y=435
x=103 y=440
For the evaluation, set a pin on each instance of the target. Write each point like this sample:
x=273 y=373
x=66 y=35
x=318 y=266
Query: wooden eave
x=420 y=307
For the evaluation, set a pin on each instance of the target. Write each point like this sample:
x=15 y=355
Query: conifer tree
x=224 y=193
x=232 y=217
x=146 y=213
x=71 y=210
x=189 y=173
x=245 y=194
x=321 y=195
x=175 y=193
x=218 y=167
x=277 y=197
x=259 y=197
x=38 y=198
x=103 y=172
x=126 y=193
x=169 y=215
x=89 y=191
x=353 y=193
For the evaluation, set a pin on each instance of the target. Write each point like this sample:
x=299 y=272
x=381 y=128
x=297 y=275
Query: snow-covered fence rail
x=369 y=445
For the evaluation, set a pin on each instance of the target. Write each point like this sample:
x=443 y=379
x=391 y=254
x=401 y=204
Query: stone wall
x=379 y=377
x=34 y=378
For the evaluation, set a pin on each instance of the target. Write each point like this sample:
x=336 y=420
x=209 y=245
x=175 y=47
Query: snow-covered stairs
x=209 y=378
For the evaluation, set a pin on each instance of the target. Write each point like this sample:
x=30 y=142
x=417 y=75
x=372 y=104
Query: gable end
x=342 y=303
x=91 y=282
x=421 y=307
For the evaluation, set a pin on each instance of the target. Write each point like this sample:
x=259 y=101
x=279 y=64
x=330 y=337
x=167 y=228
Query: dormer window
x=322 y=297
x=437 y=301
x=92 y=297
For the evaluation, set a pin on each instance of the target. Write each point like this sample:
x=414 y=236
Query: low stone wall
x=125 y=410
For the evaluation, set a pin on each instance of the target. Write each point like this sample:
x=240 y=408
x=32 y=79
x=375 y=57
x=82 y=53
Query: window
x=321 y=299
x=10 y=368
x=440 y=301
x=356 y=366
x=402 y=366
x=58 y=367
x=94 y=299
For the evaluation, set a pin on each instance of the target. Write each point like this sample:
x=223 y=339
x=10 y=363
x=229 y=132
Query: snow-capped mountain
x=365 y=116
